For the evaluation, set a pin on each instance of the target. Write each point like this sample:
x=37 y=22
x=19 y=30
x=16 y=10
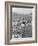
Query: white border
x=14 y=40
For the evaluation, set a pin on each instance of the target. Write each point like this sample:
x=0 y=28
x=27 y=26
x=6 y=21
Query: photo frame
x=20 y=22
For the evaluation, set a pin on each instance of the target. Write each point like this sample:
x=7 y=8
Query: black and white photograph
x=21 y=22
